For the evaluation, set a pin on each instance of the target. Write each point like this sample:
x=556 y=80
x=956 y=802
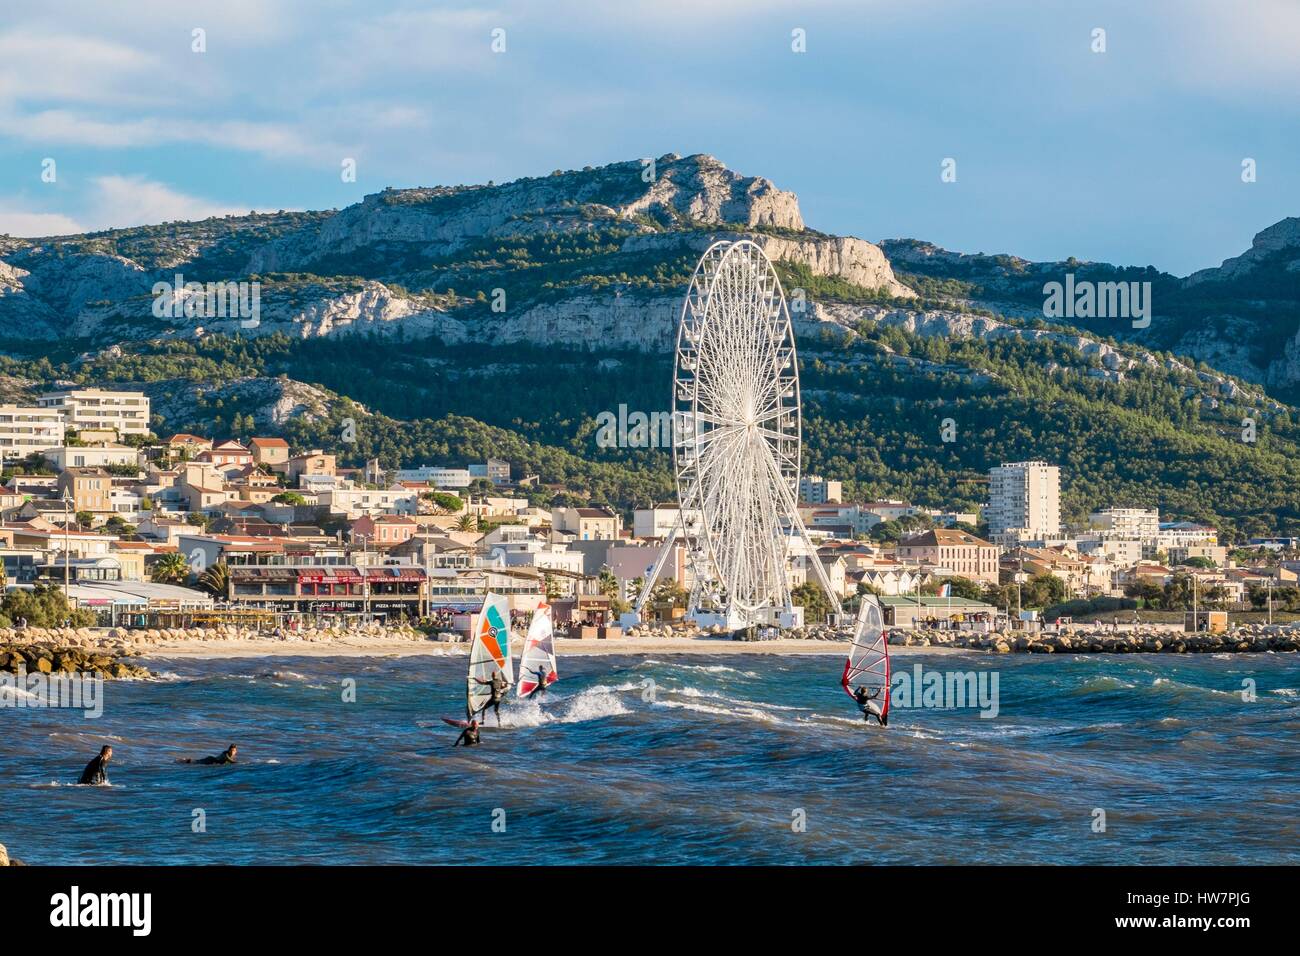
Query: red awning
x=329 y=577
x=394 y=574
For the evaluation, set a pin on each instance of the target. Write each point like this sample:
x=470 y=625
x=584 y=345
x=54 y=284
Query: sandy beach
x=382 y=647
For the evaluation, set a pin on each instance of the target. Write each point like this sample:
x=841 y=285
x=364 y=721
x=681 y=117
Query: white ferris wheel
x=737 y=441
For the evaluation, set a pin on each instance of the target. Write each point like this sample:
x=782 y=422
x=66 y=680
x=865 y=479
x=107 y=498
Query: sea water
x=726 y=759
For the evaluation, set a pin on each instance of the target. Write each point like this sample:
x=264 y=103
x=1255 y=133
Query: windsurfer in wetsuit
x=497 y=687
x=541 y=683
x=867 y=704
x=468 y=736
x=94 y=773
x=226 y=756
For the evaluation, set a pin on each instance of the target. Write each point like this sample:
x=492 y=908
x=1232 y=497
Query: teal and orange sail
x=489 y=653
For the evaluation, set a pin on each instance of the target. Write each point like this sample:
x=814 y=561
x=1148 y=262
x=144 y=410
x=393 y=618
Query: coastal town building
x=840 y=520
x=494 y=470
x=353 y=501
x=1024 y=501
x=445 y=479
x=273 y=453
x=1182 y=534
x=228 y=455
x=313 y=463
x=1139 y=523
x=964 y=554
x=1120 y=552
x=86 y=489
x=26 y=430
x=382 y=531
x=92 y=456
x=125 y=413
x=587 y=524
x=659 y=521
x=817 y=490
x=184 y=446
x=890 y=510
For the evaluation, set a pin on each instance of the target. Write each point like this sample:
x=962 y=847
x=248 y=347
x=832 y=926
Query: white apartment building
x=890 y=510
x=817 y=490
x=354 y=502
x=856 y=518
x=25 y=429
x=127 y=413
x=587 y=524
x=1025 y=496
x=448 y=479
x=92 y=456
x=494 y=470
x=1182 y=534
x=1140 y=523
x=660 y=520
x=1119 y=552
x=125 y=501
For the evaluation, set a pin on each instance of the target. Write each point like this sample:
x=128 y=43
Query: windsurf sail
x=868 y=662
x=490 y=651
x=537 y=662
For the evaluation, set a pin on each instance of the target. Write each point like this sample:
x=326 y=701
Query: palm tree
x=216 y=580
x=608 y=583
x=171 y=569
x=467 y=523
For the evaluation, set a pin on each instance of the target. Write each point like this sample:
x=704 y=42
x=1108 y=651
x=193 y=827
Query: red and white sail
x=537 y=663
x=868 y=662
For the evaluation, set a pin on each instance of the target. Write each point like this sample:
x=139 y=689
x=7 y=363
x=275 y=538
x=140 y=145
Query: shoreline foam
x=565 y=647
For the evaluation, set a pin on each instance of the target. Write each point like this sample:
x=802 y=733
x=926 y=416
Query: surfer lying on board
x=497 y=687
x=469 y=735
x=95 y=770
x=226 y=756
x=867 y=704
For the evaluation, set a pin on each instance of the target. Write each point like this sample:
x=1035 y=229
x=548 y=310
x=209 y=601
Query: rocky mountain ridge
x=598 y=255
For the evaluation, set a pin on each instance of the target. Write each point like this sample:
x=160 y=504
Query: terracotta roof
x=946 y=538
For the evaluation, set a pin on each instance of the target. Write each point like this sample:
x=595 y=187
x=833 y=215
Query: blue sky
x=1130 y=156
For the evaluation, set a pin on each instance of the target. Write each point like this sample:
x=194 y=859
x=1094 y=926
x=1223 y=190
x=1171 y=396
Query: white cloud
x=32 y=224
x=51 y=128
x=113 y=202
x=58 y=67
x=135 y=201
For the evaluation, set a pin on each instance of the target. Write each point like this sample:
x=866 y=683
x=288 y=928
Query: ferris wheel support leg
x=792 y=508
x=653 y=578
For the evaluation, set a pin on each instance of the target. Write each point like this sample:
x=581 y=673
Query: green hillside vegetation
x=874 y=408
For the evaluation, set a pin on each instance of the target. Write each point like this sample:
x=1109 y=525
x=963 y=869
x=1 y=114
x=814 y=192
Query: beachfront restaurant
x=330 y=591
